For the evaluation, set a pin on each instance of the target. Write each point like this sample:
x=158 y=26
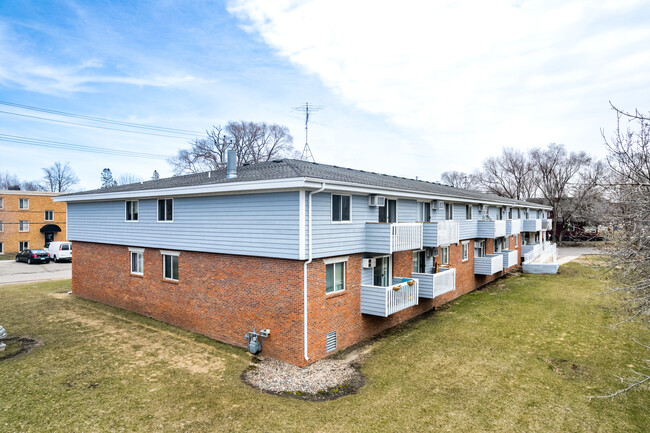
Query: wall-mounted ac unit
x=369 y=263
x=376 y=200
x=429 y=252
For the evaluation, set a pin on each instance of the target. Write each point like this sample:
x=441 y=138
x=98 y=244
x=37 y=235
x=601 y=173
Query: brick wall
x=223 y=296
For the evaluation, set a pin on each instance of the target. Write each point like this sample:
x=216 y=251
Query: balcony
x=547 y=224
x=384 y=301
x=513 y=227
x=509 y=258
x=440 y=233
x=531 y=251
x=432 y=285
x=390 y=237
x=488 y=265
x=532 y=225
x=491 y=229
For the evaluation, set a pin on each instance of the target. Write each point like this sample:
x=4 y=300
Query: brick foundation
x=224 y=296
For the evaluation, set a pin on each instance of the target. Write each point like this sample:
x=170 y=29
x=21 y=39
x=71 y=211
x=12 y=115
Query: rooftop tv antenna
x=306 y=108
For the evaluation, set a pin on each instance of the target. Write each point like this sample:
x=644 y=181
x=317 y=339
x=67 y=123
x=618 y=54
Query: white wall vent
x=368 y=263
x=330 y=341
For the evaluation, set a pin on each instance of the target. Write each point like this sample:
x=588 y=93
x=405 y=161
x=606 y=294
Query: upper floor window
x=468 y=211
x=526 y=214
x=388 y=212
x=49 y=215
x=539 y=214
x=479 y=248
x=500 y=213
x=340 y=208
x=166 y=209
x=499 y=244
x=449 y=211
x=23 y=203
x=132 y=209
x=23 y=226
x=335 y=277
x=465 y=250
x=444 y=255
x=424 y=211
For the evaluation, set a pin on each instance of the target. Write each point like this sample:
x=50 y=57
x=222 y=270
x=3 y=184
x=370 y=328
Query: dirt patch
x=18 y=346
x=138 y=348
x=567 y=369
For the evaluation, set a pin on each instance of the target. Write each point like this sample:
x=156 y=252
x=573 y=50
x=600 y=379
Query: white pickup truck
x=59 y=251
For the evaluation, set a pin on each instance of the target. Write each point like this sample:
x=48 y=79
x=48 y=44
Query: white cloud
x=465 y=78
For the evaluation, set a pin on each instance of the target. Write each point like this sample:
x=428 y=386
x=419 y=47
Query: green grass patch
x=520 y=355
x=8 y=256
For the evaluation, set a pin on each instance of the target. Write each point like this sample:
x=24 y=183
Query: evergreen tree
x=107 y=178
x=155 y=175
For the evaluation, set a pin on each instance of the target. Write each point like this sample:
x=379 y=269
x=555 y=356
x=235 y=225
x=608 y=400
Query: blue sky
x=409 y=88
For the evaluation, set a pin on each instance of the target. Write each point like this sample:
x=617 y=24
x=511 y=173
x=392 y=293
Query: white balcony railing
x=509 y=258
x=531 y=251
x=405 y=236
x=488 y=265
x=432 y=285
x=440 y=233
x=384 y=301
x=514 y=227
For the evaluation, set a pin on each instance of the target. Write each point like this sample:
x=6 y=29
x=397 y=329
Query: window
x=516 y=241
x=137 y=261
x=24 y=245
x=340 y=208
x=166 y=209
x=465 y=250
x=23 y=226
x=449 y=211
x=424 y=211
x=500 y=213
x=170 y=265
x=49 y=215
x=444 y=255
x=23 y=203
x=479 y=248
x=2 y=249
x=334 y=277
x=132 y=208
x=419 y=264
x=2 y=227
x=2 y=203
x=499 y=244
x=468 y=211
x=526 y=214
x=388 y=212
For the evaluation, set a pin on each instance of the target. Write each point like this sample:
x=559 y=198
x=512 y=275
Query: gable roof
x=283 y=169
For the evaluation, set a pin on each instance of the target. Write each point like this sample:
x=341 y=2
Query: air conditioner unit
x=369 y=263
x=376 y=200
x=429 y=252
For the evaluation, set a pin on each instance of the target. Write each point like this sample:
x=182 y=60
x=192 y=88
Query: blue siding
x=264 y=225
x=407 y=211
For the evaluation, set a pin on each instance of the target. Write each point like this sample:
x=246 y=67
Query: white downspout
x=304 y=301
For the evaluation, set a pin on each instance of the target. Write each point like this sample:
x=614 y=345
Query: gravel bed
x=272 y=375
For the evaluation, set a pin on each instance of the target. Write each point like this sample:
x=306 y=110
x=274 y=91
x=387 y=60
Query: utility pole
x=306 y=108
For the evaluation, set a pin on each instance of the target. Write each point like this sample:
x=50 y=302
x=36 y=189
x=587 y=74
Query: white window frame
x=417 y=253
x=333 y=264
x=20 y=204
x=23 y=226
x=46 y=214
x=444 y=260
x=423 y=215
x=516 y=241
x=126 y=212
x=465 y=251
x=341 y=221
x=140 y=255
x=387 y=199
x=23 y=245
x=480 y=245
x=158 y=210
x=172 y=254
x=469 y=210
x=451 y=211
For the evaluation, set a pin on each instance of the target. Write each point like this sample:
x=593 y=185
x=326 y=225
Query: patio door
x=388 y=212
x=382 y=272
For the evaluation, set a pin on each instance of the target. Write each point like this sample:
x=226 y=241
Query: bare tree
x=59 y=177
x=629 y=246
x=254 y=142
x=458 y=179
x=564 y=177
x=128 y=178
x=11 y=181
x=509 y=175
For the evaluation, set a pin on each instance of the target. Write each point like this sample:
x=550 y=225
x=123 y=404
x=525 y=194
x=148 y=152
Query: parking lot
x=13 y=272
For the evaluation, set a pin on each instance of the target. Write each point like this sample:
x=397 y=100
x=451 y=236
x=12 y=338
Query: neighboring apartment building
x=29 y=219
x=323 y=256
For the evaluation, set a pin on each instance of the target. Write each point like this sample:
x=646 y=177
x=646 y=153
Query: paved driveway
x=567 y=254
x=12 y=272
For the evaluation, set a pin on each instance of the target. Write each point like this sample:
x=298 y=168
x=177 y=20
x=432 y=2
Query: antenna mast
x=306 y=108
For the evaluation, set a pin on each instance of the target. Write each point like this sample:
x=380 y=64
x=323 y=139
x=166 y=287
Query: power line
x=78 y=147
x=90 y=126
x=101 y=120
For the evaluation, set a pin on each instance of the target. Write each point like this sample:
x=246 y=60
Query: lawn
x=520 y=355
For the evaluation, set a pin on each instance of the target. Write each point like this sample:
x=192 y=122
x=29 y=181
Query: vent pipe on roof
x=232 y=164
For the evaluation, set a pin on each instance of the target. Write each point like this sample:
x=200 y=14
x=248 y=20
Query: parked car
x=33 y=256
x=59 y=250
